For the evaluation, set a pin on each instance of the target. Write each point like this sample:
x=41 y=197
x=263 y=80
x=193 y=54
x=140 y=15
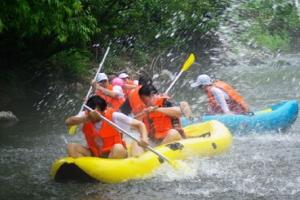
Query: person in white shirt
x=112 y=93
x=102 y=139
x=129 y=84
x=223 y=99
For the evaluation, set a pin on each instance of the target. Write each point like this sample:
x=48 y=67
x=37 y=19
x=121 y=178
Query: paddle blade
x=191 y=59
x=72 y=130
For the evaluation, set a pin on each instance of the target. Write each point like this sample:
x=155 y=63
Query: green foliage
x=35 y=29
x=146 y=28
x=62 y=20
x=157 y=23
x=271 y=41
x=114 y=62
x=275 y=23
x=1 y=25
x=72 y=63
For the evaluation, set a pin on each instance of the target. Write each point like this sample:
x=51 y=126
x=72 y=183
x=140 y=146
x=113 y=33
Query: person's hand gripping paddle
x=148 y=147
x=73 y=129
x=187 y=64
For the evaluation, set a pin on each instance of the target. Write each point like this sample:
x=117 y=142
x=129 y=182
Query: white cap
x=202 y=79
x=101 y=77
x=123 y=75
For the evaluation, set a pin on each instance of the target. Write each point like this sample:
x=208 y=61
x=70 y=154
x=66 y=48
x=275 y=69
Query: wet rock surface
x=7 y=119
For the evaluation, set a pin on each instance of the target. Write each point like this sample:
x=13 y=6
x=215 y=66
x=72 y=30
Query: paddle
x=187 y=64
x=131 y=136
x=73 y=129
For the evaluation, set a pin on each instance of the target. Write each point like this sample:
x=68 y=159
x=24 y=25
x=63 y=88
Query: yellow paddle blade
x=72 y=130
x=264 y=111
x=188 y=62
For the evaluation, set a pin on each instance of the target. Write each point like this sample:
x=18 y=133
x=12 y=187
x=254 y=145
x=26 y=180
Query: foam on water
x=186 y=170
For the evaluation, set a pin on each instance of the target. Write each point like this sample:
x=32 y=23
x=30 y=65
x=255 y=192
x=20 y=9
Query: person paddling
x=102 y=139
x=134 y=105
x=222 y=98
x=111 y=93
x=129 y=84
x=163 y=117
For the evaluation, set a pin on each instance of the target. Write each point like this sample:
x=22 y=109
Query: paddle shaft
x=128 y=134
x=173 y=83
x=73 y=129
x=187 y=64
x=185 y=67
x=98 y=71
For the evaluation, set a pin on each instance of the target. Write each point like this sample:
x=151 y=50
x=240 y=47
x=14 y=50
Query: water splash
x=187 y=170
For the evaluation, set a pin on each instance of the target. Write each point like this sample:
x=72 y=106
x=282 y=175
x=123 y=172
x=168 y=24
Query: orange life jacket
x=160 y=123
x=135 y=101
x=102 y=140
x=137 y=105
x=235 y=103
x=115 y=103
x=127 y=91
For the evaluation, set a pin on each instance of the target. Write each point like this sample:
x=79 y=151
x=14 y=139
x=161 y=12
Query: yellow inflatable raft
x=205 y=139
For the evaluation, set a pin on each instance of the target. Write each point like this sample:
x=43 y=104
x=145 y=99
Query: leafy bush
x=35 y=30
x=274 y=25
x=272 y=41
x=59 y=19
x=72 y=63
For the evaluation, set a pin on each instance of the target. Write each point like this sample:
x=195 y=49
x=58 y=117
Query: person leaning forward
x=102 y=139
x=222 y=98
x=112 y=94
x=163 y=117
x=129 y=84
x=134 y=105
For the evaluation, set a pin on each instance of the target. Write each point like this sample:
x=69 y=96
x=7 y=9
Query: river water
x=258 y=166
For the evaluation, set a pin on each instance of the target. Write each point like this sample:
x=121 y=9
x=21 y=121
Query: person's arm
x=220 y=99
x=170 y=111
x=77 y=119
x=125 y=121
x=119 y=91
x=130 y=86
x=94 y=85
x=82 y=117
x=140 y=126
x=167 y=109
x=107 y=92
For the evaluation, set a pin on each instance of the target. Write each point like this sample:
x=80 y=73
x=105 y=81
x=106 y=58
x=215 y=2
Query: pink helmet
x=117 y=81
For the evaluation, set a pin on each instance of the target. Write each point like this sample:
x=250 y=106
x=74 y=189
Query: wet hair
x=147 y=90
x=97 y=102
x=144 y=80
